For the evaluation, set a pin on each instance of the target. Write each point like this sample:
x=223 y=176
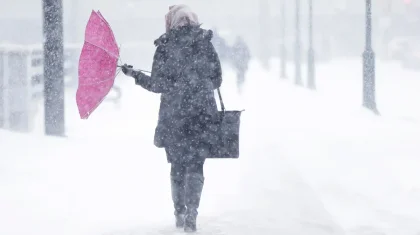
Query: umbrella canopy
x=97 y=65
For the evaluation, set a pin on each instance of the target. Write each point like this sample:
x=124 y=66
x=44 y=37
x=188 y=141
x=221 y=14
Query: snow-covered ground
x=311 y=163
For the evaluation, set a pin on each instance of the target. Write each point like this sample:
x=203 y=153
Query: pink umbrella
x=97 y=65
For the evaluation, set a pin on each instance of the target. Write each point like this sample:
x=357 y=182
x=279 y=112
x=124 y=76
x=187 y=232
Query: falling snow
x=313 y=105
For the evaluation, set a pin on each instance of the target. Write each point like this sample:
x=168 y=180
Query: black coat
x=186 y=70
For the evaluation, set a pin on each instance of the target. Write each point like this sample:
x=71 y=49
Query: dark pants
x=180 y=170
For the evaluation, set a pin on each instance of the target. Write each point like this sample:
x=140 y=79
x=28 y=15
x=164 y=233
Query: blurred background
x=338 y=32
x=246 y=32
x=334 y=167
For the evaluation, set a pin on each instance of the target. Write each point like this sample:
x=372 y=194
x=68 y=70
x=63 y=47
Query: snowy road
x=308 y=166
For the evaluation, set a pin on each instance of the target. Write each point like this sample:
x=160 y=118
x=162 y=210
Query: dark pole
x=311 y=52
x=283 y=56
x=369 y=64
x=53 y=67
x=298 y=72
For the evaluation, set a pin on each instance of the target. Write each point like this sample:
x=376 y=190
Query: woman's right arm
x=158 y=81
x=215 y=67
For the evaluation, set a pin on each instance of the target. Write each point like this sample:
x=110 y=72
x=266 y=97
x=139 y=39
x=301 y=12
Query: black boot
x=178 y=198
x=194 y=186
x=179 y=220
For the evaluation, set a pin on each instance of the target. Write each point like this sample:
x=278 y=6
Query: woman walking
x=185 y=71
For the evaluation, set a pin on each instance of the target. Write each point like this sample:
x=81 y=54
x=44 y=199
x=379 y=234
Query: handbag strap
x=222 y=105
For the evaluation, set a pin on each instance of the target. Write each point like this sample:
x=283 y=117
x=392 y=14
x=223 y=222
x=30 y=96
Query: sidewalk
x=306 y=167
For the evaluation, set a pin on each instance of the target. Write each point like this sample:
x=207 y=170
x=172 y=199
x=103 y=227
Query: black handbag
x=227 y=131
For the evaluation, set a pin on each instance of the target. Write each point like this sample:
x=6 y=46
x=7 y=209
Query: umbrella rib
x=111 y=54
x=99 y=82
x=109 y=26
x=119 y=70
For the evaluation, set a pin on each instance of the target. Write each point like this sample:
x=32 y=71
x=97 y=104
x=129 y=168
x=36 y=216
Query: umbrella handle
x=119 y=66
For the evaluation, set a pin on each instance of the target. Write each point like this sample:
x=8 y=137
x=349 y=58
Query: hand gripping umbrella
x=97 y=65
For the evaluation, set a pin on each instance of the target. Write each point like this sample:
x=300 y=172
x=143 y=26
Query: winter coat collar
x=195 y=32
